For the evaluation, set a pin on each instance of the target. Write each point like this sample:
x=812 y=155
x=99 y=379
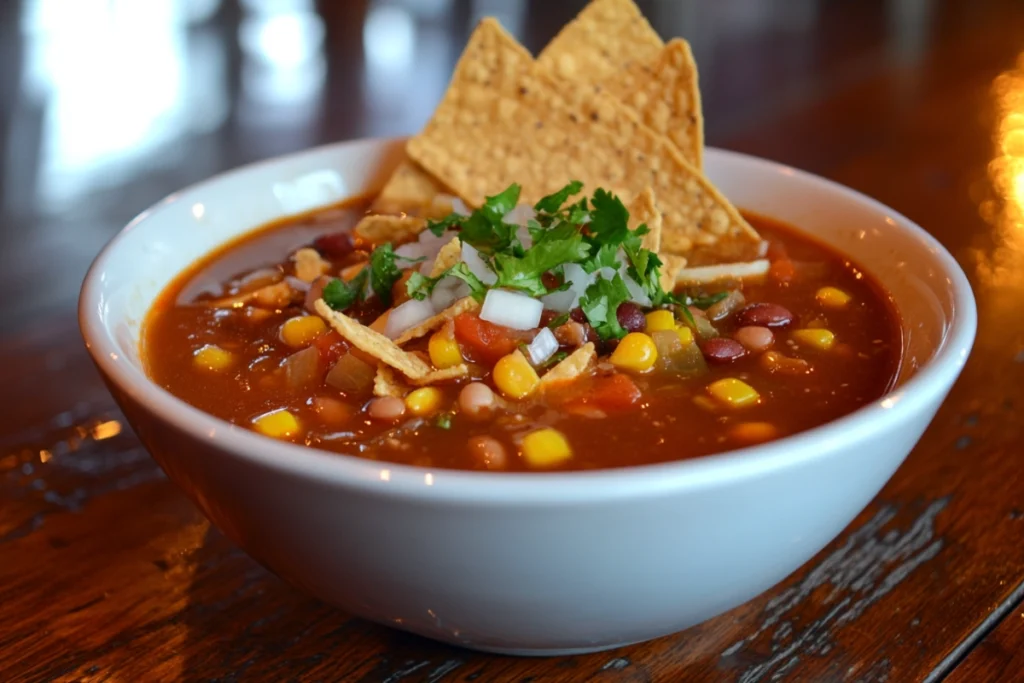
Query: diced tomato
x=330 y=346
x=776 y=251
x=613 y=393
x=485 y=342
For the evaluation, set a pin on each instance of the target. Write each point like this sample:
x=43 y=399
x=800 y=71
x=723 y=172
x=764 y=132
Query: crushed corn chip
x=571 y=367
x=448 y=256
x=378 y=229
x=373 y=343
x=430 y=324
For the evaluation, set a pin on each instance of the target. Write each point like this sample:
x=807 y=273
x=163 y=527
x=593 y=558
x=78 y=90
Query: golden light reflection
x=106 y=430
x=1002 y=266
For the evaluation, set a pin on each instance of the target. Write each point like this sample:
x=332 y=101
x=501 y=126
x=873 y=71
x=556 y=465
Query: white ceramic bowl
x=528 y=563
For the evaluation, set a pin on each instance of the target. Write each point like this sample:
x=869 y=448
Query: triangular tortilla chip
x=373 y=343
x=378 y=229
x=666 y=97
x=448 y=256
x=601 y=45
x=430 y=324
x=571 y=367
x=409 y=190
x=702 y=275
x=445 y=374
x=671 y=265
x=548 y=131
x=644 y=211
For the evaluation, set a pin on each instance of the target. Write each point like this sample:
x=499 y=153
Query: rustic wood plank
x=999 y=657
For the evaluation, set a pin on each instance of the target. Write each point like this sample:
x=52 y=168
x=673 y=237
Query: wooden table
x=107 y=572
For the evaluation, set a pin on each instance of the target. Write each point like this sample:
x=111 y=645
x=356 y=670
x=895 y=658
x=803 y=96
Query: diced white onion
x=542 y=347
x=519 y=215
x=511 y=309
x=477 y=266
x=297 y=284
x=410 y=253
x=636 y=293
x=525 y=238
x=447 y=291
x=404 y=316
x=560 y=302
x=459 y=207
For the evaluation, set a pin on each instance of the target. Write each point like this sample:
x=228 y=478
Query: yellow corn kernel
x=733 y=392
x=302 y=330
x=214 y=358
x=545 y=448
x=832 y=297
x=754 y=432
x=685 y=335
x=658 y=321
x=424 y=401
x=444 y=350
x=819 y=338
x=514 y=376
x=635 y=352
x=278 y=424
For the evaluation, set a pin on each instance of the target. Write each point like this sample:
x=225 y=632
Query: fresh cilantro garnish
x=495 y=208
x=420 y=286
x=438 y=227
x=559 y=321
x=563 y=244
x=601 y=304
x=609 y=219
x=553 y=202
x=341 y=295
x=384 y=273
x=444 y=421
x=705 y=302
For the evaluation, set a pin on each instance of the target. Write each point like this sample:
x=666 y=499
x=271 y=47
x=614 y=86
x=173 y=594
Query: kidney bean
x=631 y=317
x=335 y=245
x=764 y=315
x=578 y=315
x=722 y=350
x=754 y=338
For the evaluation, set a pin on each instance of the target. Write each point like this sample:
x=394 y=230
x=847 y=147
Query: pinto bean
x=476 y=400
x=386 y=408
x=722 y=350
x=764 y=315
x=486 y=452
x=754 y=338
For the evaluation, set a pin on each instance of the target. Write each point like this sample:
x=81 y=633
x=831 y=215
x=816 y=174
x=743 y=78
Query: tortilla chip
x=600 y=47
x=702 y=275
x=570 y=368
x=373 y=343
x=409 y=190
x=548 y=131
x=309 y=265
x=448 y=256
x=430 y=324
x=666 y=97
x=378 y=228
x=670 y=267
x=644 y=211
x=434 y=376
x=387 y=383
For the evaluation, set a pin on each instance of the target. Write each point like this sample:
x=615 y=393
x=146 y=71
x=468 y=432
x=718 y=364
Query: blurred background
x=108 y=105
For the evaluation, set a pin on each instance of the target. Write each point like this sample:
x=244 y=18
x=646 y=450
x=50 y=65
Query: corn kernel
x=733 y=392
x=545 y=448
x=214 y=358
x=302 y=331
x=660 y=320
x=278 y=424
x=832 y=297
x=754 y=432
x=424 y=401
x=819 y=338
x=514 y=376
x=635 y=352
x=685 y=335
x=444 y=350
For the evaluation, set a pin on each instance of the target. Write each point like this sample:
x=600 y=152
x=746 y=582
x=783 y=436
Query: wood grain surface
x=107 y=572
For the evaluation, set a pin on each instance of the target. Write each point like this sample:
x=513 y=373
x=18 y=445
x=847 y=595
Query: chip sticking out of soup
x=547 y=282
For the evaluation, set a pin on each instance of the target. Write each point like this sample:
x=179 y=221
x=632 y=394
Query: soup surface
x=729 y=362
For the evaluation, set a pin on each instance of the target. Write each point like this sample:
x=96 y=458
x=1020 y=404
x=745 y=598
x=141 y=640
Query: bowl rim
x=552 y=488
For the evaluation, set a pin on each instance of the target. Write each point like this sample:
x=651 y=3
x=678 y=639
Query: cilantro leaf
x=420 y=286
x=705 y=302
x=438 y=227
x=384 y=273
x=444 y=420
x=495 y=208
x=559 y=321
x=486 y=236
x=601 y=304
x=557 y=246
x=609 y=219
x=553 y=202
x=341 y=295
